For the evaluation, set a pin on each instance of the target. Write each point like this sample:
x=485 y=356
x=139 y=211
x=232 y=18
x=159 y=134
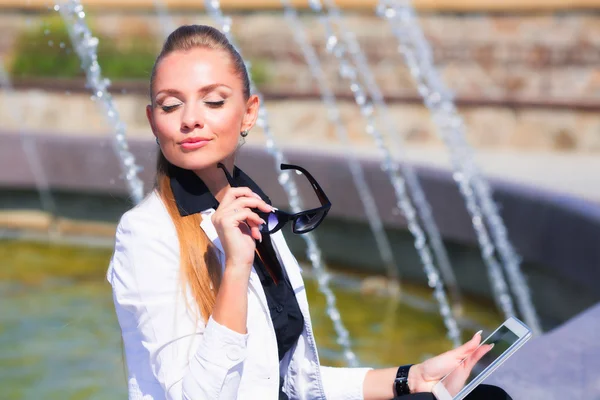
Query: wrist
x=237 y=271
x=415 y=379
x=236 y=265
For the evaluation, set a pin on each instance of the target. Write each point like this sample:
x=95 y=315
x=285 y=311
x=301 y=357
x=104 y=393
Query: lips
x=193 y=140
x=194 y=143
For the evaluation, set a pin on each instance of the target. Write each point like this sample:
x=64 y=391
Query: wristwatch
x=401 y=382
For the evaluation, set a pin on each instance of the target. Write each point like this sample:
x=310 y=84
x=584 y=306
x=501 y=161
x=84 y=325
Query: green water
x=59 y=338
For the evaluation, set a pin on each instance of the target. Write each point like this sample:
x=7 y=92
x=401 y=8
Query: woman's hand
x=422 y=377
x=238 y=226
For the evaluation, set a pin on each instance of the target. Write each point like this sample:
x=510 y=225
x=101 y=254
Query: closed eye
x=168 y=109
x=215 y=104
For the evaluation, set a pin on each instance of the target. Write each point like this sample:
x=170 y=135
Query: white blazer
x=172 y=353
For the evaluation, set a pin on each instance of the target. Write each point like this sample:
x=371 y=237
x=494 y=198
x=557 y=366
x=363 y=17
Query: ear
x=150 y=118
x=251 y=114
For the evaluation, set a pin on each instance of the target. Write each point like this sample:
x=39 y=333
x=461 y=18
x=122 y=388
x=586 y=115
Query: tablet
x=506 y=340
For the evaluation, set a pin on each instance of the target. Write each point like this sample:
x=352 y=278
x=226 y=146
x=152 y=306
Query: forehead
x=195 y=68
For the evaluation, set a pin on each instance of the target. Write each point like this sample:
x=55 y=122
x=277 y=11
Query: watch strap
x=401 y=382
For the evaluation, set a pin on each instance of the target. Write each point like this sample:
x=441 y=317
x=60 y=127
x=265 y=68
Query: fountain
x=352 y=63
x=415 y=190
x=348 y=72
x=78 y=312
x=407 y=193
x=85 y=44
x=328 y=98
x=476 y=191
x=32 y=156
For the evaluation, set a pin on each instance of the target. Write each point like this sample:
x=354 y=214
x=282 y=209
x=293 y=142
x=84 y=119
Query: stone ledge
x=562 y=364
x=43 y=222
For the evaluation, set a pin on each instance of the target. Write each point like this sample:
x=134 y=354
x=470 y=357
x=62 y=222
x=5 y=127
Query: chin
x=197 y=160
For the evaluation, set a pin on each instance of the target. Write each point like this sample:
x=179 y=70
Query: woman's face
x=199 y=108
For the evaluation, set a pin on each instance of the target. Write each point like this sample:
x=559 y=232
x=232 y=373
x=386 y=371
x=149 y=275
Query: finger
x=477 y=355
x=447 y=361
x=256 y=233
x=255 y=227
x=233 y=193
x=244 y=215
x=467 y=348
x=250 y=202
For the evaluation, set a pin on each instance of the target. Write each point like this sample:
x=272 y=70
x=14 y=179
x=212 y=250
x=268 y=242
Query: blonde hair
x=199 y=264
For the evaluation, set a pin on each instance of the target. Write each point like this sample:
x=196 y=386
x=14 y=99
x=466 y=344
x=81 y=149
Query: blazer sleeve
x=343 y=383
x=165 y=340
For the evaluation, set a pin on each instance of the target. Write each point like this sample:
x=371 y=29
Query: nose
x=191 y=119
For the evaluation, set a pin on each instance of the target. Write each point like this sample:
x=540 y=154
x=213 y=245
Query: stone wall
x=539 y=57
x=301 y=122
x=529 y=85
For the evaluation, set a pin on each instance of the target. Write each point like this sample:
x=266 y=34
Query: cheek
x=166 y=125
x=224 y=123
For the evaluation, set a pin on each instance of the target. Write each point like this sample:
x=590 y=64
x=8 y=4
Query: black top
x=288 y=320
x=193 y=196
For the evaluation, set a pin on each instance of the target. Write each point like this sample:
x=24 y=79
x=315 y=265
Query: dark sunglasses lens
x=272 y=221
x=307 y=222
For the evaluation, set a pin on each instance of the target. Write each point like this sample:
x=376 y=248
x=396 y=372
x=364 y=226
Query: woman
x=210 y=304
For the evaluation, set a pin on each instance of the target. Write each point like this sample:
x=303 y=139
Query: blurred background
x=526 y=80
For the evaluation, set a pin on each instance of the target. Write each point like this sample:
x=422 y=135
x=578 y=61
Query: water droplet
x=315 y=5
x=332 y=42
x=46 y=32
x=283 y=178
x=347 y=71
x=56 y=7
x=50 y=43
x=62 y=45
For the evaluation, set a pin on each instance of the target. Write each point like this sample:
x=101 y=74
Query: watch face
x=401 y=381
x=401 y=386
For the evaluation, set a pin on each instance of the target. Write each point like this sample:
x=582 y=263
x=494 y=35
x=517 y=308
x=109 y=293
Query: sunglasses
x=302 y=222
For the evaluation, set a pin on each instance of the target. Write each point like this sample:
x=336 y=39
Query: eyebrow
x=203 y=90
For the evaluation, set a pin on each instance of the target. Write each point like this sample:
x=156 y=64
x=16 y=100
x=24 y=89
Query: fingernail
x=256 y=195
x=492 y=345
x=260 y=239
x=478 y=333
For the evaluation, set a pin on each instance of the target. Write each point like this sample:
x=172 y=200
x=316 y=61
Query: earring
x=244 y=133
x=157 y=142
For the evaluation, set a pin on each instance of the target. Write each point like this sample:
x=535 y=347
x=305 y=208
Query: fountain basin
x=557 y=235
x=57 y=312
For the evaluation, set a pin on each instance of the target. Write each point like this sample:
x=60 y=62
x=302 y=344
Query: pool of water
x=59 y=338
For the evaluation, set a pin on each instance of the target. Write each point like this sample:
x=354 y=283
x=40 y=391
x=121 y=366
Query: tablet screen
x=502 y=339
